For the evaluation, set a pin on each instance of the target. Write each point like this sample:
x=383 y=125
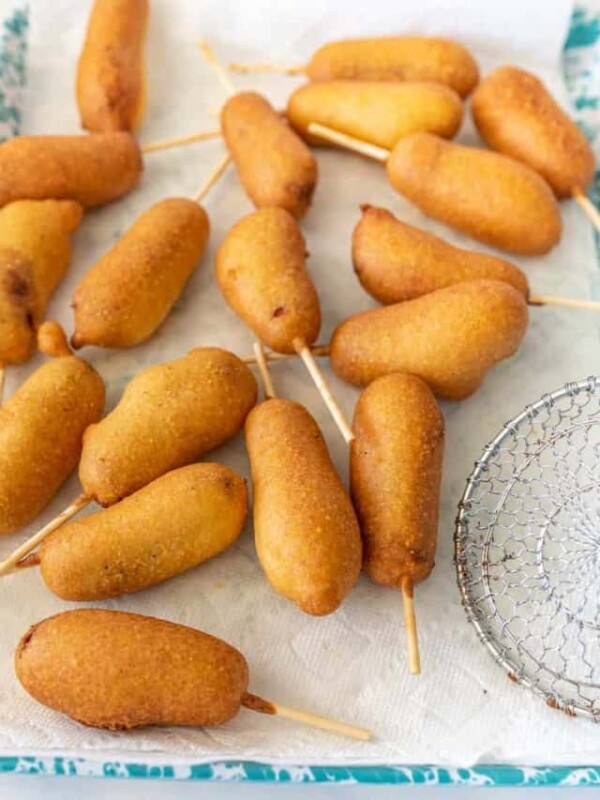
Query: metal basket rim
x=591 y=384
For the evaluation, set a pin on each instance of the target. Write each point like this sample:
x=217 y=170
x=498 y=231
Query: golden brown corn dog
x=395 y=476
x=274 y=165
x=397 y=58
x=114 y=670
x=170 y=415
x=92 y=169
x=261 y=270
x=396 y=262
x=126 y=295
x=35 y=252
x=171 y=525
x=449 y=338
x=516 y=114
x=488 y=196
x=111 y=78
x=378 y=112
x=41 y=431
x=307 y=535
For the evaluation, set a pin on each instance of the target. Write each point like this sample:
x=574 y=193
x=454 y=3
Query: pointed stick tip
x=414 y=656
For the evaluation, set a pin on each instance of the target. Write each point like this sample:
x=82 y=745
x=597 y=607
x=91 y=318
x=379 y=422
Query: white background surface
x=462 y=709
x=31 y=788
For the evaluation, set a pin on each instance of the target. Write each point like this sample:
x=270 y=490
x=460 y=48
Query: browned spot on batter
x=15 y=283
x=255 y=703
x=26 y=639
x=303 y=191
x=279 y=311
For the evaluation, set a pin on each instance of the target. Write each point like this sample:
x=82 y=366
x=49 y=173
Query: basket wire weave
x=527 y=548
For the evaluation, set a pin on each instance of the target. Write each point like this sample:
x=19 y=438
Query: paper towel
x=351 y=665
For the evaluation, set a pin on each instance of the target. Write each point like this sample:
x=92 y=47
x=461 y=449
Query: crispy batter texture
x=128 y=293
x=171 y=525
x=488 y=196
x=170 y=415
x=274 y=165
x=516 y=114
x=110 y=87
x=92 y=169
x=41 y=431
x=449 y=338
x=35 y=252
x=115 y=670
x=395 y=477
x=379 y=112
x=307 y=534
x=261 y=270
x=397 y=58
x=396 y=262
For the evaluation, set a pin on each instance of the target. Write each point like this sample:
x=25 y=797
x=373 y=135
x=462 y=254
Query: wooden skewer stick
x=319 y=350
x=349 y=142
x=567 y=302
x=179 y=141
x=2 y=381
x=217 y=67
x=410 y=619
x=279 y=69
x=13 y=559
x=263 y=368
x=255 y=703
x=589 y=209
x=31 y=560
x=212 y=178
x=319 y=379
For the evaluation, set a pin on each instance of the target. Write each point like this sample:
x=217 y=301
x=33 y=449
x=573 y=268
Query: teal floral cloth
x=13 y=67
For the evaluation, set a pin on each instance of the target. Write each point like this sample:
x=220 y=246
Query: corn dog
x=395 y=476
x=110 y=87
x=396 y=262
x=171 y=525
x=35 y=252
x=449 y=338
x=261 y=270
x=379 y=112
x=169 y=415
x=274 y=165
x=488 y=196
x=127 y=294
x=114 y=670
x=404 y=58
x=516 y=114
x=91 y=170
x=41 y=432
x=307 y=535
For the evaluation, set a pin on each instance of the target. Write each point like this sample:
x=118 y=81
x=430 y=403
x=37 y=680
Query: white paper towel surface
x=351 y=665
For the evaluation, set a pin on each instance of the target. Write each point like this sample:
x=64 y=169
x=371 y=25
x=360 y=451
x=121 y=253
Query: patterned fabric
x=582 y=75
x=13 y=68
x=581 y=63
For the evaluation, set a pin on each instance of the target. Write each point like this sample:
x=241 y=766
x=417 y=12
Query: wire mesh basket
x=527 y=548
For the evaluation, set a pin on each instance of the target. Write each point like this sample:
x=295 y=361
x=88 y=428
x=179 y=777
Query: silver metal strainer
x=527 y=547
